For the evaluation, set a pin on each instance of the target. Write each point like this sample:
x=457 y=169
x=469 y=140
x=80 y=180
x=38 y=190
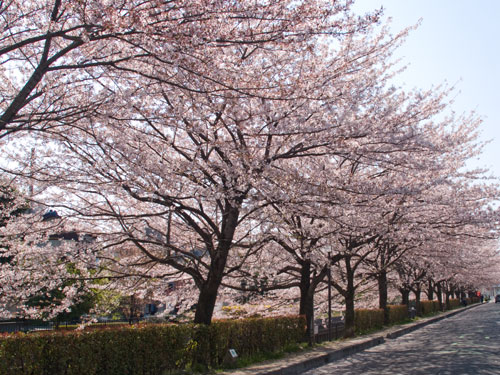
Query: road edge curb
x=334 y=355
x=348 y=350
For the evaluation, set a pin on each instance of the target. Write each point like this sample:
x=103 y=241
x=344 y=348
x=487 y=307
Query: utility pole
x=329 y=296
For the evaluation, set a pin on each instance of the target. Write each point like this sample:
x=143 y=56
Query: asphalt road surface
x=467 y=343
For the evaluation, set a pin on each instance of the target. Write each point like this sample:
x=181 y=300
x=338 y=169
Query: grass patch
x=262 y=357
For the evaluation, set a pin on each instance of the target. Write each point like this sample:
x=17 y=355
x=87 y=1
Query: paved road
x=467 y=343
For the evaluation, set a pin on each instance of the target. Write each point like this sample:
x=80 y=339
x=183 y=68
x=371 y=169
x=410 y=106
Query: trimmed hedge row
x=145 y=350
x=471 y=300
x=367 y=319
x=397 y=313
x=454 y=303
x=429 y=307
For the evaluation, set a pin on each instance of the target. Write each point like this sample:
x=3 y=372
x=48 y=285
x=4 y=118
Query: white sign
x=233 y=353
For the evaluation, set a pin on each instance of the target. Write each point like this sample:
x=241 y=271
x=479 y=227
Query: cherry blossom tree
x=196 y=141
x=36 y=278
x=60 y=58
x=195 y=127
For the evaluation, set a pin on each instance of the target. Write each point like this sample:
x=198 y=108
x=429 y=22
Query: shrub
x=474 y=299
x=368 y=319
x=145 y=350
x=397 y=313
x=429 y=307
x=454 y=303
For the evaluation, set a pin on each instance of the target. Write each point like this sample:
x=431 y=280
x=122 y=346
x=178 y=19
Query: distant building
x=491 y=291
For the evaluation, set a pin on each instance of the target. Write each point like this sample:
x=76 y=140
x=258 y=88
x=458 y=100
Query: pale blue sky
x=458 y=42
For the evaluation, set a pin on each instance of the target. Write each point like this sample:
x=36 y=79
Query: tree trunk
x=209 y=289
x=430 y=291
x=447 y=294
x=451 y=291
x=309 y=313
x=417 y=293
x=308 y=285
x=405 y=296
x=440 y=296
x=349 y=315
x=306 y=306
x=206 y=303
x=382 y=294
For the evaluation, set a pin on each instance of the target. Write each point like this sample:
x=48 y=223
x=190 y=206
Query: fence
x=25 y=326
x=30 y=326
x=322 y=332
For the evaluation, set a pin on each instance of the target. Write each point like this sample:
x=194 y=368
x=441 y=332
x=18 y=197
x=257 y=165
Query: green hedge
x=397 y=313
x=454 y=303
x=368 y=319
x=145 y=350
x=429 y=307
x=471 y=300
